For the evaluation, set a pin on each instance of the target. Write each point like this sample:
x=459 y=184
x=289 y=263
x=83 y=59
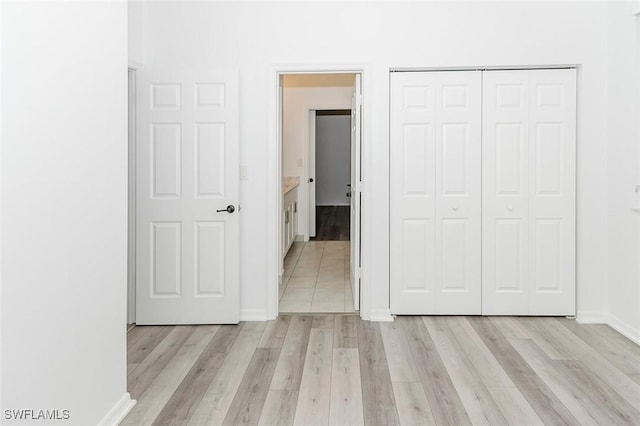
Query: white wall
x=64 y=211
x=253 y=37
x=1 y=174
x=333 y=159
x=135 y=32
x=623 y=311
x=300 y=93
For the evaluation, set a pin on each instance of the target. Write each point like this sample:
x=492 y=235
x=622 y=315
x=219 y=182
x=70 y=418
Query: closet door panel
x=505 y=185
x=458 y=192
x=412 y=192
x=435 y=192
x=528 y=197
x=510 y=263
x=552 y=159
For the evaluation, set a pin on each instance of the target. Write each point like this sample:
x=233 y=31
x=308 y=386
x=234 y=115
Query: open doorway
x=320 y=164
x=330 y=169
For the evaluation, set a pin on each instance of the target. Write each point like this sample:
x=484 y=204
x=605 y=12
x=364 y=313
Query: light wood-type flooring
x=339 y=370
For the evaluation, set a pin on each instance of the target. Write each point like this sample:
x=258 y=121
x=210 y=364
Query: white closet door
x=528 y=202
x=435 y=192
x=505 y=193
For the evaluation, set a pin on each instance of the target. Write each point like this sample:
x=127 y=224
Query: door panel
x=510 y=264
x=505 y=188
x=165 y=159
x=210 y=158
x=311 y=181
x=552 y=202
x=412 y=193
x=435 y=183
x=418 y=239
x=418 y=154
x=166 y=262
x=510 y=172
x=548 y=159
x=187 y=169
x=454 y=249
x=210 y=259
x=529 y=177
x=458 y=192
x=548 y=255
x=454 y=159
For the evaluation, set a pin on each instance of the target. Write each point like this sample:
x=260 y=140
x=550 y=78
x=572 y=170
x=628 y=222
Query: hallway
x=316 y=278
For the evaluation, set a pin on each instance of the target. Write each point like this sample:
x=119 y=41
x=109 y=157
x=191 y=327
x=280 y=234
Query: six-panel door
x=187 y=169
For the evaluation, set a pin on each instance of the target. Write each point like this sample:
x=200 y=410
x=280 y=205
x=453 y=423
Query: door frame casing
x=131 y=174
x=274 y=167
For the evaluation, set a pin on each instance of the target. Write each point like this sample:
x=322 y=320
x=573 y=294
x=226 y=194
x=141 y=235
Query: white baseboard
x=623 y=328
x=253 y=315
x=597 y=317
x=591 y=317
x=381 y=315
x=119 y=411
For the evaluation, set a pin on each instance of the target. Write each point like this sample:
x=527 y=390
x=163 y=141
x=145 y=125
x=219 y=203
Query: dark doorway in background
x=332 y=223
x=333 y=173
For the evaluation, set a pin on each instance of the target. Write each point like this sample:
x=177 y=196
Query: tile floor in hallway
x=316 y=278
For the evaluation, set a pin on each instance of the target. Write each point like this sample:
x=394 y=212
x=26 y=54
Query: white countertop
x=290 y=182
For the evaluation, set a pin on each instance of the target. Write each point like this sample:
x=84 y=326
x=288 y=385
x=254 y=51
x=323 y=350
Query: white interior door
x=505 y=193
x=187 y=176
x=311 y=179
x=435 y=229
x=529 y=151
x=356 y=193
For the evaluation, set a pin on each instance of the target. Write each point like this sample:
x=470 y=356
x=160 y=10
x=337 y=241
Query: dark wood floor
x=340 y=370
x=332 y=223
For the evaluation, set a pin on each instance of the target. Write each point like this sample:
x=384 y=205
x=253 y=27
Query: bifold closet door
x=435 y=198
x=528 y=192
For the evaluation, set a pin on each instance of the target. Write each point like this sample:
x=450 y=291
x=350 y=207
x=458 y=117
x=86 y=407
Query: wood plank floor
x=332 y=223
x=334 y=369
